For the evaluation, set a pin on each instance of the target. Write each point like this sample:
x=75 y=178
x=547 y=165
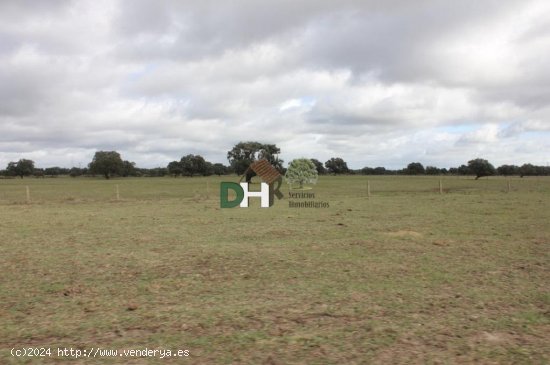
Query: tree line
x=110 y=164
x=477 y=167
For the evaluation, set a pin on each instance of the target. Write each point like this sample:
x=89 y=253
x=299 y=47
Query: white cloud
x=374 y=83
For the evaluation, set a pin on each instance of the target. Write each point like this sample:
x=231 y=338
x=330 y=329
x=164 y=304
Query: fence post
x=368 y=189
x=28 y=194
x=117 y=192
x=508 y=190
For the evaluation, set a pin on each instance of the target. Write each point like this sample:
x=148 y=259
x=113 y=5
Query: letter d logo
x=224 y=194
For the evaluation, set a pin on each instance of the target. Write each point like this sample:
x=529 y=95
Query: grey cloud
x=369 y=80
x=14 y=9
x=193 y=30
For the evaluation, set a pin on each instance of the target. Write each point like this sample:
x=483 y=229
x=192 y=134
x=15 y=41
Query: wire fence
x=89 y=190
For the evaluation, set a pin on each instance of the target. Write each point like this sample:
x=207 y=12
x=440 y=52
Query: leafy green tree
x=38 y=173
x=201 y=165
x=508 y=170
x=380 y=170
x=188 y=165
x=106 y=163
x=301 y=171
x=367 y=171
x=21 y=168
x=193 y=164
x=464 y=170
x=11 y=169
x=128 y=168
x=481 y=167
x=75 y=171
x=155 y=172
x=319 y=166
x=53 y=171
x=415 y=168
x=208 y=169
x=271 y=153
x=336 y=165
x=219 y=169
x=527 y=170
x=174 y=168
x=432 y=170
x=244 y=153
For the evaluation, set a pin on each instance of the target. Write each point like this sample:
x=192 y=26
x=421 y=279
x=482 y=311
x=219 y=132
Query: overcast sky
x=378 y=83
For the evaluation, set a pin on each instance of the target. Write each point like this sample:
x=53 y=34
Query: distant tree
x=219 y=169
x=432 y=170
x=527 y=170
x=155 y=172
x=75 y=171
x=38 y=173
x=271 y=153
x=319 y=166
x=21 y=168
x=464 y=170
x=244 y=153
x=193 y=164
x=128 y=168
x=188 y=165
x=301 y=171
x=160 y=171
x=367 y=171
x=201 y=165
x=11 y=169
x=106 y=163
x=208 y=169
x=481 y=167
x=229 y=170
x=174 y=168
x=508 y=170
x=53 y=171
x=336 y=165
x=380 y=170
x=415 y=168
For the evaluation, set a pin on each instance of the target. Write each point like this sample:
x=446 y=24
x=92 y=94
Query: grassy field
x=407 y=276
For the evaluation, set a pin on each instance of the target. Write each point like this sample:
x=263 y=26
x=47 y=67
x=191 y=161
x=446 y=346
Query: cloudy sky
x=378 y=83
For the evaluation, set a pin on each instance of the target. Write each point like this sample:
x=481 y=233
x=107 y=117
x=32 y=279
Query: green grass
x=407 y=276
